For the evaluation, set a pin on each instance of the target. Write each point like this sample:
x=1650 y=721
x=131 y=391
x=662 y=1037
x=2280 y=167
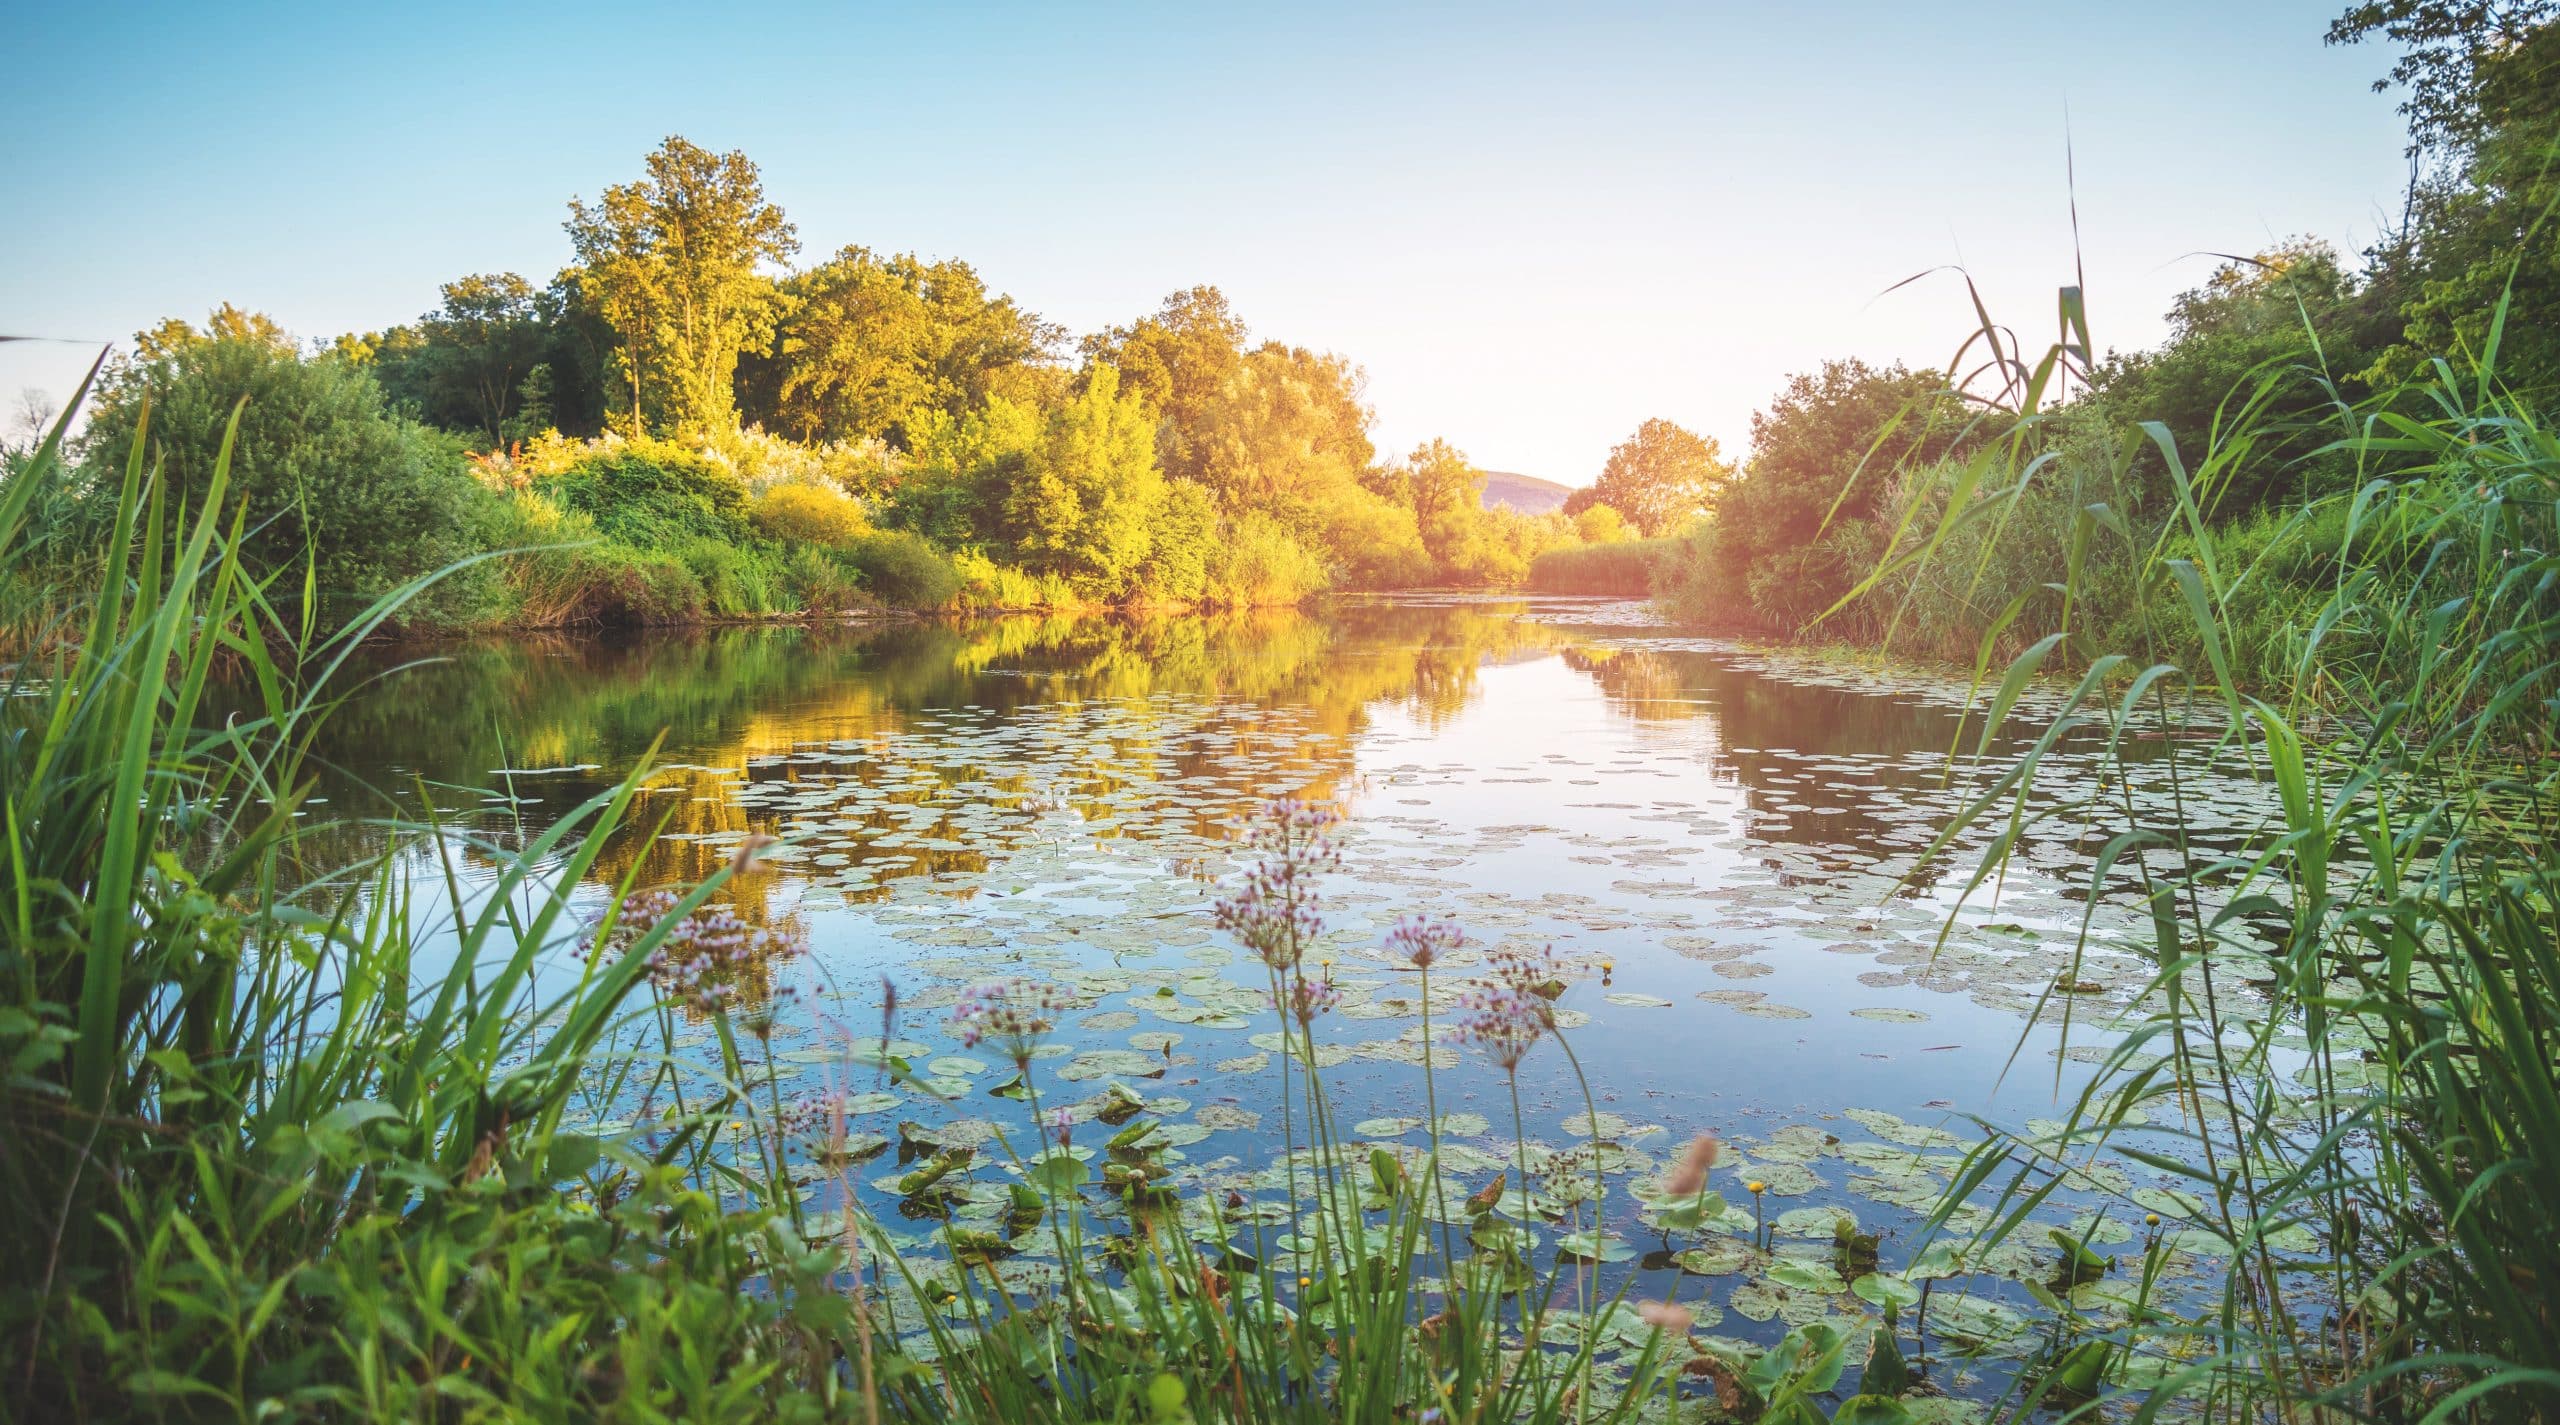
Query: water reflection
x=1531 y=755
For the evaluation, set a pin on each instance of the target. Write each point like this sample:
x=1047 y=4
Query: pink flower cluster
x=1275 y=914
x=700 y=958
x=1013 y=1014
x=1506 y=1013
x=1306 y=999
x=1501 y=1021
x=1422 y=940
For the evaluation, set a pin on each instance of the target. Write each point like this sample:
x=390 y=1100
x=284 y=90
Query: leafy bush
x=904 y=570
x=988 y=585
x=1202 y=557
x=1602 y=524
x=652 y=494
x=809 y=514
x=1261 y=564
x=327 y=473
x=1787 y=539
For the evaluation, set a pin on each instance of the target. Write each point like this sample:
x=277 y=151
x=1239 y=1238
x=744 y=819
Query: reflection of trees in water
x=1860 y=738
x=753 y=705
x=1425 y=657
x=735 y=706
x=1753 y=715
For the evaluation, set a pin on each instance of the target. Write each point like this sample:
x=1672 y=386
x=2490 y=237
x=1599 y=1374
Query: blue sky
x=1535 y=226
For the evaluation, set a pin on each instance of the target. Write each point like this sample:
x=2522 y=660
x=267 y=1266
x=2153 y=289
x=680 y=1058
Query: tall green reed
x=271 y=1124
x=2344 y=1054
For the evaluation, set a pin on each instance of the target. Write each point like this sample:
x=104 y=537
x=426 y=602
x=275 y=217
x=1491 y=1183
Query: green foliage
x=989 y=586
x=2264 y=350
x=566 y=575
x=1083 y=505
x=1181 y=465
x=809 y=514
x=650 y=494
x=1786 y=541
x=1597 y=523
x=1659 y=479
x=465 y=365
x=738 y=580
x=2483 y=100
x=673 y=264
x=905 y=570
x=1462 y=542
x=1625 y=568
x=825 y=580
x=1258 y=563
x=869 y=341
x=1181 y=360
x=266 y=1162
x=337 y=490
x=962 y=471
x=2381 y=657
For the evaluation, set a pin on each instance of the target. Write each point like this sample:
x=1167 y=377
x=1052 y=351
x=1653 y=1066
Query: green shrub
x=1261 y=564
x=1624 y=568
x=651 y=494
x=809 y=514
x=825 y=580
x=569 y=576
x=326 y=470
x=904 y=570
x=986 y=584
x=738 y=580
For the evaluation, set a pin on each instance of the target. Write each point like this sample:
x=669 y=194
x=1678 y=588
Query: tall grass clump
x=2348 y=1053
x=287 y=1140
x=1625 y=568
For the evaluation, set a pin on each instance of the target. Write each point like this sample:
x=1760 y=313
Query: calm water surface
x=1724 y=844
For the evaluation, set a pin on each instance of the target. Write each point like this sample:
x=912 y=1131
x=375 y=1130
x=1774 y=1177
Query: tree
x=1791 y=533
x=673 y=263
x=463 y=366
x=1181 y=360
x=2465 y=61
x=954 y=489
x=174 y=335
x=327 y=472
x=2483 y=79
x=1465 y=542
x=871 y=340
x=1084 y=505
x=1659 y=478
x=1596 y=523
x=1284 y=433
x=1286 y=438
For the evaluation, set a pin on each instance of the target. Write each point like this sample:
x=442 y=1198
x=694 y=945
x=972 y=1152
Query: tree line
x=682 y=424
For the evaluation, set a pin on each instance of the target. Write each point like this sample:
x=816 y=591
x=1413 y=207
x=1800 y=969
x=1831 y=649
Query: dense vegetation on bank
x=683 y=427
x=2246 y=423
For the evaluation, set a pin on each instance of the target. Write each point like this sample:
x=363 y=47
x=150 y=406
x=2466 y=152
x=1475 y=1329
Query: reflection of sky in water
x=1061 y=802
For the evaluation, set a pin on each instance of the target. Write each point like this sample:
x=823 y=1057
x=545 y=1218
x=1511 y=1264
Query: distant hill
x=1526 y=493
